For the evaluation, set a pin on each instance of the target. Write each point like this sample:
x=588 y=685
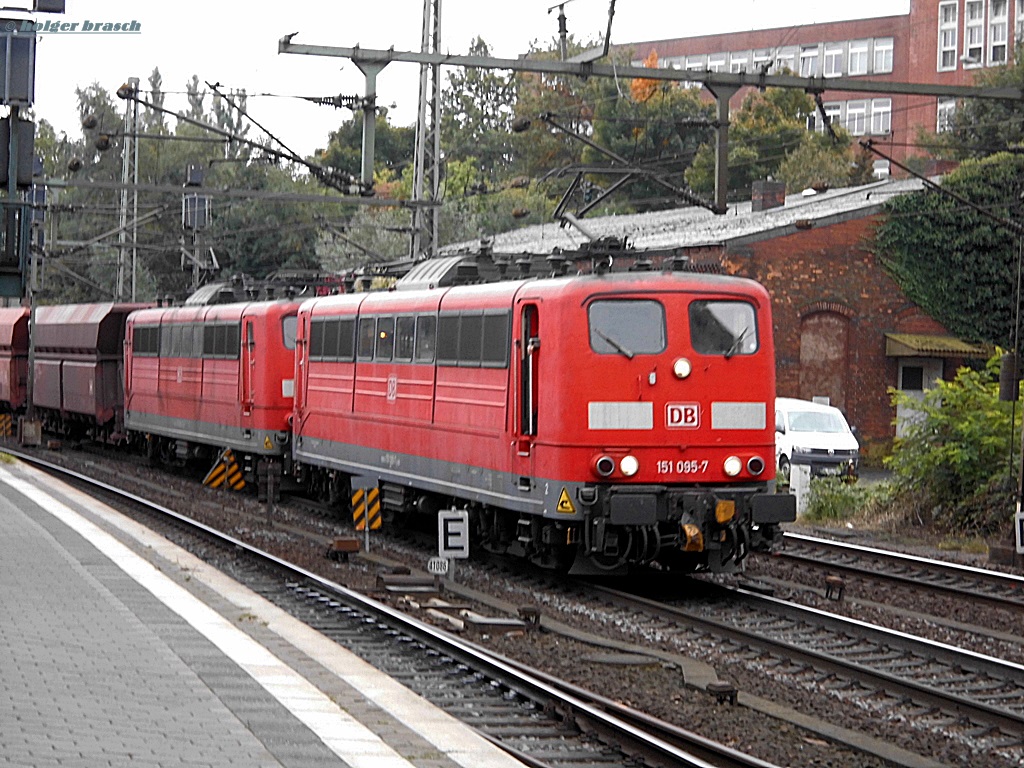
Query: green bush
x=952 y=464
x=832 y=499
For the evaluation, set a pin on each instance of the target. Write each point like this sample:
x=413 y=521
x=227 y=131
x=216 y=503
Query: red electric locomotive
x=598 y=421
x=200 y=379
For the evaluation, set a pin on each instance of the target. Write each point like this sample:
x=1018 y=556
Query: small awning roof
x=922 y=345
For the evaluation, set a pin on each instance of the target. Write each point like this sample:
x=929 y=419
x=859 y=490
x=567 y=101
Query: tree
x=393 y=148
x=476 y=116
x=762 y=132
x=254 y=235
x=981 y=127
x=658 y=127
x=959 y=265
x=821 y=160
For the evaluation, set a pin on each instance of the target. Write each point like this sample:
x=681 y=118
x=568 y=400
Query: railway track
x=921 y=682
x=539 y=719
x=1003 y=590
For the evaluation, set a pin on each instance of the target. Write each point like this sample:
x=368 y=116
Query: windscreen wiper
x=618 y=347
x=736 y=344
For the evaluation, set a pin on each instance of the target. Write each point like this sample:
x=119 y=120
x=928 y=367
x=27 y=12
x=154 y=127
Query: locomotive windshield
x=723 y=328
x=627 y=327
x=289 y=325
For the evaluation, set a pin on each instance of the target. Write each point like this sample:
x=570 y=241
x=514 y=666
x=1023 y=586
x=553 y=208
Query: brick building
x=938 y=42
x=843 y=329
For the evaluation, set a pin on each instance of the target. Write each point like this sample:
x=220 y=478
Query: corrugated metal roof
x=923 y=345
x=694 y=227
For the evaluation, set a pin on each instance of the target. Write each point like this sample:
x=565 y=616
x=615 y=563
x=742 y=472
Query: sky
x=235 y=44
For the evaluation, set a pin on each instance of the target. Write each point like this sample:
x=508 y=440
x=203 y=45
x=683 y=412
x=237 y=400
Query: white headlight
x=629 y=465
x=732 y=466
x=682 y=368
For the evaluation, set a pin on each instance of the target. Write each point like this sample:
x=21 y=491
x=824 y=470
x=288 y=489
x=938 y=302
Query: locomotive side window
x=367 y=337
x=405 y=335
x=426 y=338
x=195 y=331
x=347 y=339
x=496 y=343
x=146 y=340
x=627 y=327
x=316 y=339
x=329 y=350
x=723 y=328
x=471 y=339
x=448 y=340
x=330 y=338
x=385 y=338
x=222 y=340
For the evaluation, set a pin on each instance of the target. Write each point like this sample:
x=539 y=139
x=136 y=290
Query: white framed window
x=834 y=113
x=809 y=61
x=1018 y=22
x=998 y=27
x=856 y=117
x=881 y=116
x=738 y=62
x=883 y=55
x=858 y=57
x=785 y=60
x=944 y=114
x=948 y=22
x=763 y=58
x=716 y=62
x=974 y=33
x=833 y=60
x=696 y=63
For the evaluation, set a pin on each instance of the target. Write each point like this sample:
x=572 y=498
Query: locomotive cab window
x=627 y=327
x=723 y=328
x=289 y=330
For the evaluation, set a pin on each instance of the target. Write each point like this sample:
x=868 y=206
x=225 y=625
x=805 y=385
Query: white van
x=814 y=434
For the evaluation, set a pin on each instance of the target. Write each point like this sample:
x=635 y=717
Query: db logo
x=392 y=388
x=682 y=415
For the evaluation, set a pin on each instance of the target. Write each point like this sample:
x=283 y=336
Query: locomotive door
x=527 y=362
x=248 y=366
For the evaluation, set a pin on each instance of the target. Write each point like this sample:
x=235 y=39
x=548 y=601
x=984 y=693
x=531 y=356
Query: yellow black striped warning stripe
x=366 y=506
x=6 y=425
x=226 y=470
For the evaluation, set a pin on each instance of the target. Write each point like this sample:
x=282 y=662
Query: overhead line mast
x=427 y=160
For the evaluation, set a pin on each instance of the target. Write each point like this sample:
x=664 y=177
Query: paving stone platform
x=118 y=648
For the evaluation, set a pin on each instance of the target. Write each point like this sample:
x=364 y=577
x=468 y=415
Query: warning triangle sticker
x=565 y=505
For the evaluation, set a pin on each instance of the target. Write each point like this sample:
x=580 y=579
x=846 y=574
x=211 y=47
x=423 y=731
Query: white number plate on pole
x=437 y=566
x=453 y=534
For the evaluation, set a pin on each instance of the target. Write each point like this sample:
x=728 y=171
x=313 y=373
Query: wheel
x=784 y=468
